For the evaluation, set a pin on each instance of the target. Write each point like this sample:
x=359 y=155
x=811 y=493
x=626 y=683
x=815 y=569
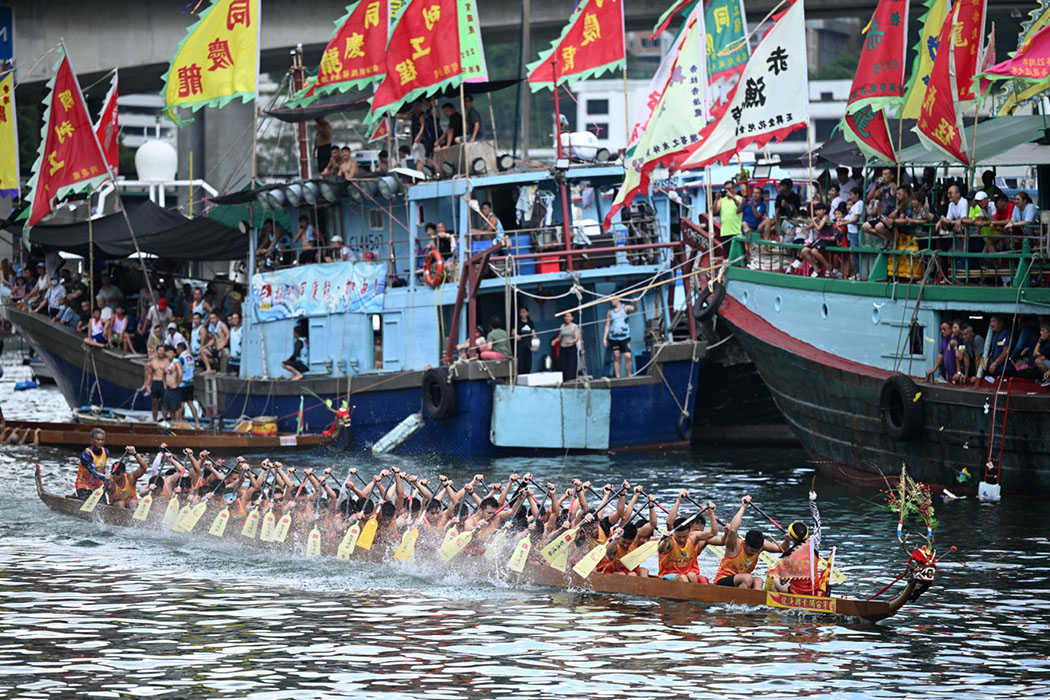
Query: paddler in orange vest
x=121 y=484
x=798 y=537
x=91 y=472
x=679 y=551
x=631 y=537
x=741 y=555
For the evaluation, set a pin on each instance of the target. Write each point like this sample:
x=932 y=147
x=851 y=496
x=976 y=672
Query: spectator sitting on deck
x=296 y=362
x=96 y=331
x=1024 y=214
x=118 y=331
x=497 y=345
x=968 y=354
x=1042 y=353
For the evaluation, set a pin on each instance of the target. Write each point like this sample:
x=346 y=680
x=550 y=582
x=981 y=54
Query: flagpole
x=626 y=110
x=561 y=175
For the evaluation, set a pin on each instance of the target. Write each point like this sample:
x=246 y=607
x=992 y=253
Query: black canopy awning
x=159 y=232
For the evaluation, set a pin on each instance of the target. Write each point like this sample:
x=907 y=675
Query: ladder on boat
x=993 y=462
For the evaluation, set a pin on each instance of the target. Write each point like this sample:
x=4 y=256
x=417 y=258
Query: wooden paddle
x=280 y=532
x=586 y=566
x=520 y=555
x=313 y=540
x=408 y=541
x=171 y=513
x=144 y=505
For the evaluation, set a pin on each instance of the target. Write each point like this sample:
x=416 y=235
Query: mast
x=526 y=93
x=297 y=80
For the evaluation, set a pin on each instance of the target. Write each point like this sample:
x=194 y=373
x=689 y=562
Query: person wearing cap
x=741 y=555
x=173 y=337
x=341 y=251
x=120 y=487
x=158 y=315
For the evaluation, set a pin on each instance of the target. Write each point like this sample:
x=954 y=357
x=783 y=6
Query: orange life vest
x=739 y=563
x=612 y=565
x=679 y=560
x=124 y=490
x=85 y=480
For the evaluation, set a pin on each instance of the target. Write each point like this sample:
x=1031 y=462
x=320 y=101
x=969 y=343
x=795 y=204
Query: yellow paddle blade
x=590 y=561
x=269 y=520
x=196 y=513
x=171 y=513
x=346 y=547
x=142 y=509
x=408 y=544
x=251 y=524
x=495 y=545
x=368 y=534
x=280 y=533
x=218 y=526
x=520 y=555
x=449 y=534
x=180 y=521
x=92 y=500
x=636 y=556
x=556 y=553
x=450 y=548
x=313 y=543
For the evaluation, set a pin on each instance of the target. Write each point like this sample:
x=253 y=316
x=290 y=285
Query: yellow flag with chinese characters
x=218 y=61
x=8 y=137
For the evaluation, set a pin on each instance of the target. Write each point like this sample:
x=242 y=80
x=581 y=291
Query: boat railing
x=908 y=258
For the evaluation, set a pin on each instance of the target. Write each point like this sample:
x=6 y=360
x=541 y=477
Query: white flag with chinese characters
x=770 y=101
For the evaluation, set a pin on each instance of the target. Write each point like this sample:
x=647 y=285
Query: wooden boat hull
x=78 y=435
x=534 y=574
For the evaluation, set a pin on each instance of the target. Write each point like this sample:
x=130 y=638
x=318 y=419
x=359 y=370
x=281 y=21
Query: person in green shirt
x=727 y=208
x=497 y=345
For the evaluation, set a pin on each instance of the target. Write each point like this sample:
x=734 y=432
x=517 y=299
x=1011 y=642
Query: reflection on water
x=86 y=608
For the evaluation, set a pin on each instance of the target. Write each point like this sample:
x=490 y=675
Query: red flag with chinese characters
x=422 y=55
x=354 y=56
x=107 y=128
x=69 y=158
x=591 y=43
x=380 y=131
x=867 y=129
x=966 y=41
x=879 y=82
x=940 y=121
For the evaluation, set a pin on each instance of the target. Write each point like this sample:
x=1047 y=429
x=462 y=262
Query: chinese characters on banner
x=107 y=127
x=218 y=61
x=879 y=82
x=770 y=101
x=967 y=35
x=8 y=137
x=353 y=57
x=423 y=54
x=69 y=156
x=925 y=52
x=940 y=121
x=318 y=290
x=725 y=31
x=591 y=44
x=471 y=50
x=1030 y=62
x=867 y=129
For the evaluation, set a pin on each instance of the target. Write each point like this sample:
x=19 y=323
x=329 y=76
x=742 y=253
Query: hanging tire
x=685 y=427
x=439 y=394
x=900 y=407
x=709 y=300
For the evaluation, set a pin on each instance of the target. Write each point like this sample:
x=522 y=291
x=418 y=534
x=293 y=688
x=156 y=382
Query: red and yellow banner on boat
x=354 y=56
x=879 y=81
x=591 y=44
x=809 y=603
x=939 y=126
x=9 y=184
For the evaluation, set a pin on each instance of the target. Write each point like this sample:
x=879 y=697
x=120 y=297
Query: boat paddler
x=741 y=555
x=678 y=553
x=91 y=471
x=630 y=538
x=120 y=487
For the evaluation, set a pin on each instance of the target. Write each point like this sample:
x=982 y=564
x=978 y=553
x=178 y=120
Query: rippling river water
x=87 y=608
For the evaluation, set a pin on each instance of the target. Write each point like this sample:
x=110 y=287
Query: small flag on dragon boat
x=939 y=125
x=434 y=45
x=218 y=60
x=380 y=130
x=764 y=105
x=676 y=121
x=353 y=57
x=591 y=43
x=9 y=185
x=70 y=158
x=1019 y=90
x=108 y=127
x=925 y=53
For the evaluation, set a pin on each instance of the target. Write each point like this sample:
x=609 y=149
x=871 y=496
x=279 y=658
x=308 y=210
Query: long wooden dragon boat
x=919 y=577
x=78 y=435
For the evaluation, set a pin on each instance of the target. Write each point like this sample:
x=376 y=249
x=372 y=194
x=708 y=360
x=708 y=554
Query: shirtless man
x=153 y=379
x=172 y=380
x=741 y=555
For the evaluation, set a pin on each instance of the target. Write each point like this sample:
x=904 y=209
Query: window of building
x=599 y=129
x=375 y=219
x=827 y=96
x=822 y=129
x=597 y=107
x=797 y=135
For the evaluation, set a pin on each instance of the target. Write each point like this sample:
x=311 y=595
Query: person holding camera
x=728 y=208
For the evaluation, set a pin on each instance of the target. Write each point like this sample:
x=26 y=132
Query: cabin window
x=915 y=339
x=597 y=107
x=375 y=220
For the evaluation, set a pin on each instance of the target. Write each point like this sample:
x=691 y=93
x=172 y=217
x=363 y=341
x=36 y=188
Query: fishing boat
x=537 y=574
x=78 y=436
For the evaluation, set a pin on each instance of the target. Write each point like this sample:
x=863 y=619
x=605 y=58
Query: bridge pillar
x=221 y=143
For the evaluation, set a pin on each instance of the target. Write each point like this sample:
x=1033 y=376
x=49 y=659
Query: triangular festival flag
x=9 y=184
x=354 y=56
x=925 y=52
x=867 y=129
x=879 y=81
x=770 y=101
x=218 y=60
x=69 y=158
x=967 y=35
x=1019 y=90
x=1030 y=62
x=940 y=122
x=107 y=128
x=591 y=44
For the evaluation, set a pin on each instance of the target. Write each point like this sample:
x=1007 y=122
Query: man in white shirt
x=958 y=209
x=854 y=218
x=52 y=298
x=173 y=337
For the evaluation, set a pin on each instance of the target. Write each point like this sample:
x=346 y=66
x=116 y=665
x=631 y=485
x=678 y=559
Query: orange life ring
x=433 y=268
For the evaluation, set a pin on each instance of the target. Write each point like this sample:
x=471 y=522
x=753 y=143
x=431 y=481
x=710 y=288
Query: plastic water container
x=582 y=145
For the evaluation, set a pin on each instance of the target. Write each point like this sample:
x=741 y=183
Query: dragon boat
x=919 y=573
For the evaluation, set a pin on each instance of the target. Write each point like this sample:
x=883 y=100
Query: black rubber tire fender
x=709 y=300
x=685 y=427
x=439 y=394
x=901 y=409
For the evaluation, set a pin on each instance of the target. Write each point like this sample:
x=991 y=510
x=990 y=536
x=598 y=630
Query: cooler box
x=521 y=244
x=548 y=264
x=540 y=379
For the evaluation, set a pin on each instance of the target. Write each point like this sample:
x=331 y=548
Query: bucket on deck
x=265 y=426
x=989 y=493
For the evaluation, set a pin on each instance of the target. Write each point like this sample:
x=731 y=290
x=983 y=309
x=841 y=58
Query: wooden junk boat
x=151 y=436
x=919 y=576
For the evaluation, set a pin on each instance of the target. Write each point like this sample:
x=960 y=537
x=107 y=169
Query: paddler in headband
x=798 y=536
x=741 y=555
x=678 y=553
x=120 y=487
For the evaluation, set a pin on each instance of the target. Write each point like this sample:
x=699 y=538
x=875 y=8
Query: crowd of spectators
x=965 y=357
